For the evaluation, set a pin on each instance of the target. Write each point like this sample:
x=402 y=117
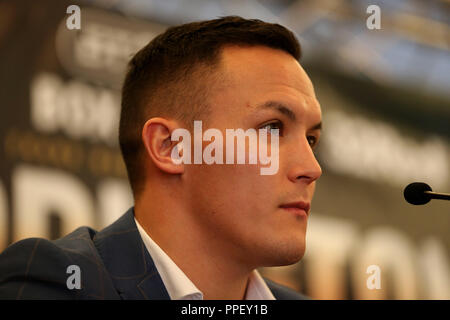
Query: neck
x=205 y=260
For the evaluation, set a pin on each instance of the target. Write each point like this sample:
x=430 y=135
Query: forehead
x=254 y=75
x=257 y=62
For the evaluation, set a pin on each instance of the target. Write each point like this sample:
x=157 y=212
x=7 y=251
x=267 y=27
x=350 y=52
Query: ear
x=156 y=135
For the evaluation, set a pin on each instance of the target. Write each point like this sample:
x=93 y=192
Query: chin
x=293 y=257
x=286 y=254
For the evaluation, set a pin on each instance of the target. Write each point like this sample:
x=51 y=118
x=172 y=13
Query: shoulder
x=284 y=293
x=34 y=268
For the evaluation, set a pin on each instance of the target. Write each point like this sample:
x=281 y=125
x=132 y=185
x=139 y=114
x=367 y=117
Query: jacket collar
x=127 y=261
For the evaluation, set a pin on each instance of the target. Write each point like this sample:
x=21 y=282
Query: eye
x=274 y=125
x=312 y=140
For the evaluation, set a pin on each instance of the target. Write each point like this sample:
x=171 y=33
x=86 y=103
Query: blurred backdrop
x=385 y=97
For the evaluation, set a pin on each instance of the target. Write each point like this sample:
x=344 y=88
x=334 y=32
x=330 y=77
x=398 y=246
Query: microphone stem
x=435 y=195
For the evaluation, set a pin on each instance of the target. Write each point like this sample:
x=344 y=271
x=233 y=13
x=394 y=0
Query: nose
x=304 y=165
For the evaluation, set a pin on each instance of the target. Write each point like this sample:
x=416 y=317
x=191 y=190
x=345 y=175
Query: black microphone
x=420 y=193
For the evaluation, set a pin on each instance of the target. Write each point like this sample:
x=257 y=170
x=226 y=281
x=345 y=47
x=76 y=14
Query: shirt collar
x=257 y=288
x=180 y=287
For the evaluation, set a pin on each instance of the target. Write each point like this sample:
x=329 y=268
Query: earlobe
x=156 y=136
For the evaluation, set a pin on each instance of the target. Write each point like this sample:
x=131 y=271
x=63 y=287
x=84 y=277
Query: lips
x=297 y=206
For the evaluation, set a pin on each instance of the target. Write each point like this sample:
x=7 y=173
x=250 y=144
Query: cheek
x=237 y=190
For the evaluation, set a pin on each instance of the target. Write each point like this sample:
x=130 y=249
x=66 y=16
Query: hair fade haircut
x=171 y=76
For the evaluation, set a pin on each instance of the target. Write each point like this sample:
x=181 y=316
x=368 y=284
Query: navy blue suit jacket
x=114 y=264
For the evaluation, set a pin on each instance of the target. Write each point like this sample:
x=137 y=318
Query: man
x=199 y=230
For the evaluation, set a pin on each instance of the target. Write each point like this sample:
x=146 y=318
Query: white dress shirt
x=180 y=287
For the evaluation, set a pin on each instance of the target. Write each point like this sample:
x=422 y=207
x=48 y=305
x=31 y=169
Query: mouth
x=299 y=208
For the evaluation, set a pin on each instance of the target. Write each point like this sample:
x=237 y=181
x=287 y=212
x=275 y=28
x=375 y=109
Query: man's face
x=238 y=209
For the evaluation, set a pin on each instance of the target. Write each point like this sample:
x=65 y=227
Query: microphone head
x=414 y=193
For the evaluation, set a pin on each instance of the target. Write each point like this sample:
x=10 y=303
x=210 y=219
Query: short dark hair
x=172 y=74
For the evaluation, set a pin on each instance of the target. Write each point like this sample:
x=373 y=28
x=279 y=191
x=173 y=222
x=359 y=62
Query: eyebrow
x=280 y=107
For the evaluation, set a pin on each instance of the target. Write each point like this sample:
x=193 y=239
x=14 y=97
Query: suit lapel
x=128 y=262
